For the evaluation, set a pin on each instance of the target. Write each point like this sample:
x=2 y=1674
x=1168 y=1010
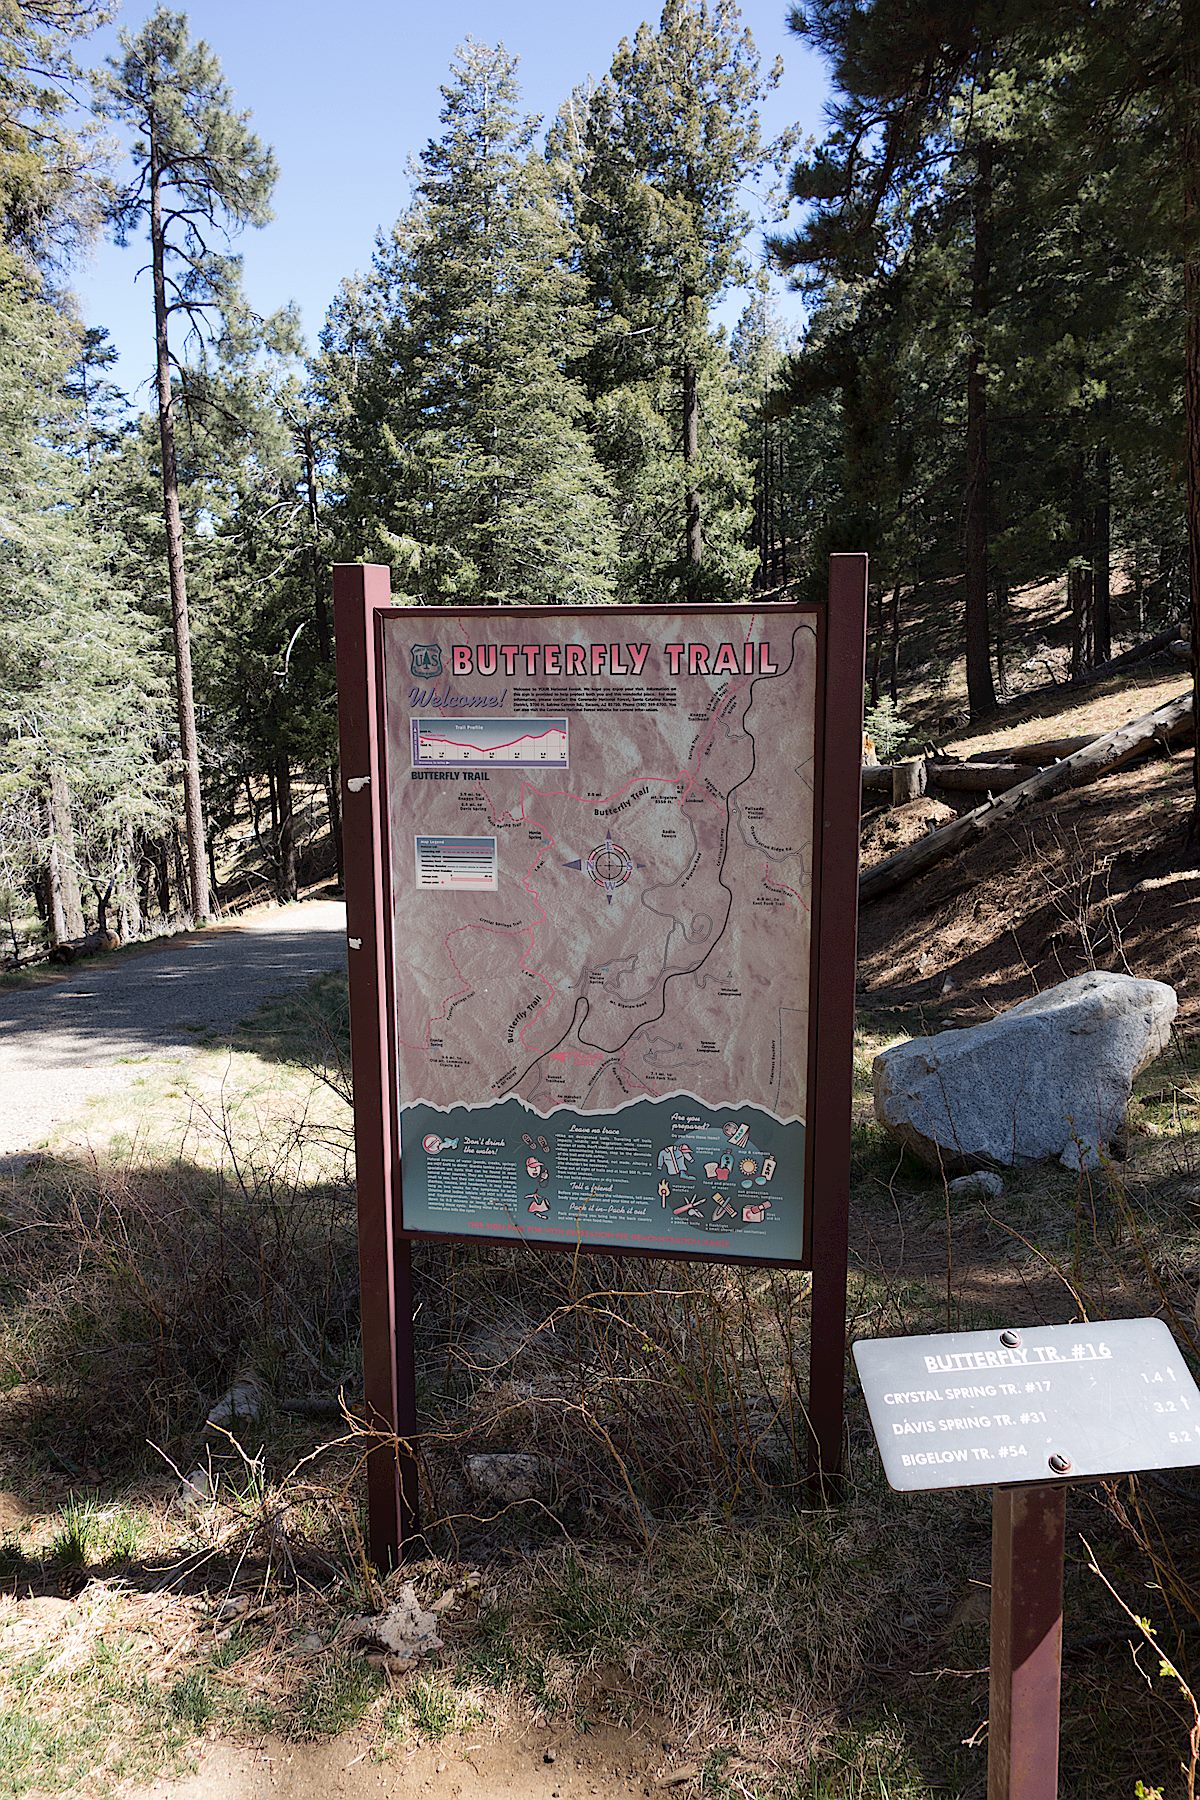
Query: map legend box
x=466 y=863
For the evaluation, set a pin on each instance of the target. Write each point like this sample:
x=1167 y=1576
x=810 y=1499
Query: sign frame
x=363 y=606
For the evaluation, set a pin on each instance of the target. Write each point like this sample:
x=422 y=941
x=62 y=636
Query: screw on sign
x=1027 y=1413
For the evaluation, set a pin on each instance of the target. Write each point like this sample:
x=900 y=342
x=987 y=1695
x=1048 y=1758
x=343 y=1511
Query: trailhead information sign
x=600 y=830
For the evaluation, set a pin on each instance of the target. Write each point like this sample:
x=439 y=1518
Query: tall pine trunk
x=1080 y=587
x=129 y=902
x=1102 y=555
x=185 y=700
x=762 y=505
x=1000 y=601
x=691 y=448
x=333 y=801
x=875 y=637
x=286 y=883
x=894 y=679
x=1190 y=147
x=981 y=693
x=1077 y=611
x=323 y=628
x=65 y=904
x=159 y=851
x=781 y=487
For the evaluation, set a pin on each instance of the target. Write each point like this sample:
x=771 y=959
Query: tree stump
x=908 y=780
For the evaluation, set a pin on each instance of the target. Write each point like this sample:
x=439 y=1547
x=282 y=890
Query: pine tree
x=267 y=675
x=81 y=689
x=198 y=171
x=1121 y=100
x=464 y=454
x=100 y=406
x=80 y=693
x=49 y=193
x=672 y=137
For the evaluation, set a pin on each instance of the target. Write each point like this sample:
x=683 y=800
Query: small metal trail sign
x=1027 y=1412
x=981 y=1408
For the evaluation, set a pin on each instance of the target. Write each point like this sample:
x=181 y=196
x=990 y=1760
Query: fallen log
x=976 y=777
x=1127 y=658
x=1051 y=750
x=69 y=950
x=1168 y=725
x=877 y=778
x=1089 y=677
x=1045 y=751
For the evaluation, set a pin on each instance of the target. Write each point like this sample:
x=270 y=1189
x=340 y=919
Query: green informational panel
x=600 y=831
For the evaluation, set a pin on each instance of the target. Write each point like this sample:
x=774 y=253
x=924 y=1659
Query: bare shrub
x=139 y=1287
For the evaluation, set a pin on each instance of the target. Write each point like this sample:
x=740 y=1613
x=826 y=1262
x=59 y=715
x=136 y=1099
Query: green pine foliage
x=82 y=689
x=526 y=398
x=480 y=479
x=50 y=190
x=1003 y=264
x=654 y=164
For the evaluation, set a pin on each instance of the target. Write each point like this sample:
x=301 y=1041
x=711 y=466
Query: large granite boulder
x=1049 y=1078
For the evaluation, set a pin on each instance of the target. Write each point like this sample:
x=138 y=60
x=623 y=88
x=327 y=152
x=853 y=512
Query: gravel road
x=70 y=1041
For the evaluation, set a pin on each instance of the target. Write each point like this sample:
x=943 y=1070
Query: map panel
x=601 y=836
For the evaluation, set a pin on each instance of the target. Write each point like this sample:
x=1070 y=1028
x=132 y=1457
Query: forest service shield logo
x=425 y=660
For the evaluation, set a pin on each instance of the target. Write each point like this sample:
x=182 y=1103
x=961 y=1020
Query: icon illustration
x=538 y=1173
x=425 y=661
x=675 y=1159
x=710 y=1165
x=433 y=1144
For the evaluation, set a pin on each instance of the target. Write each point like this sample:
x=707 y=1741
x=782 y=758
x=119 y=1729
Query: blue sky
x=346 y=91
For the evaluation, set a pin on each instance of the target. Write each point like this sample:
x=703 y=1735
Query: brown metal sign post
x=832 y=1052
x=360 y=594
x=601 y=892
x=1027 y=1626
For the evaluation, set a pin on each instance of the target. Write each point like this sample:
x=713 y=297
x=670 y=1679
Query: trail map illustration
x=601 y=840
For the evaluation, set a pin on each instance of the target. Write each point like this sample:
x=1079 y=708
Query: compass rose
x=610 y=867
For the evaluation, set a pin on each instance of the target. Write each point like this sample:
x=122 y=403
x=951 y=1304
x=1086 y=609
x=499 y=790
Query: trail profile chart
x=489 y=743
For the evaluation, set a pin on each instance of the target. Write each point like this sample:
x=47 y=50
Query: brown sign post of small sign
x=601 y=892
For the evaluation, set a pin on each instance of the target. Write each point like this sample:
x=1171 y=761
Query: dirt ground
x=65 y=1042
x=1076 y=713
x=537 y=1765
x=1098 y=878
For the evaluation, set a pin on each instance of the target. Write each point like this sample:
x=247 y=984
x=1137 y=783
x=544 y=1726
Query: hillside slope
x=1098 y=878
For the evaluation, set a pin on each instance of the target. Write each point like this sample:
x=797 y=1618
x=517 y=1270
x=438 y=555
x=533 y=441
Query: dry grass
x=670 y=1576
